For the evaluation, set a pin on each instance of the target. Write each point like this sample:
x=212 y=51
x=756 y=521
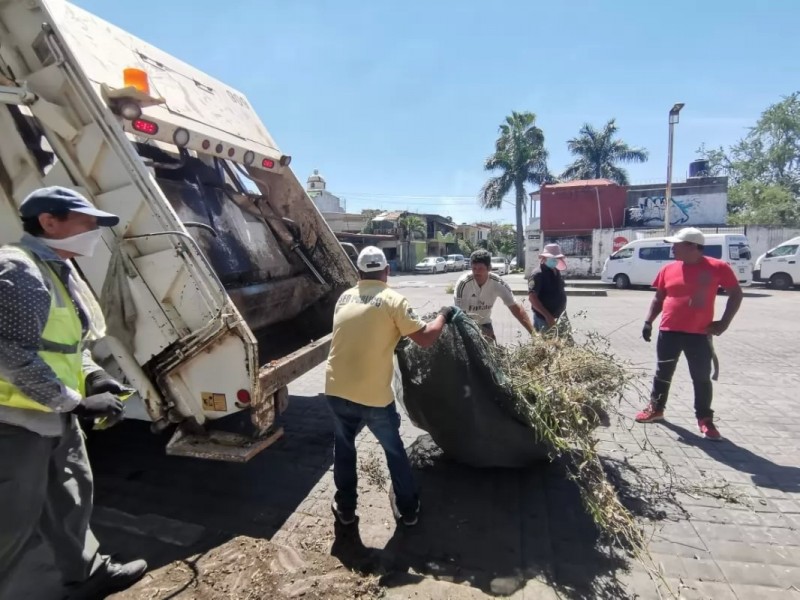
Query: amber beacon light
x=136 y=78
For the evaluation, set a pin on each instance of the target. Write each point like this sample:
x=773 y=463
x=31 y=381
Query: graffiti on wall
x=696 y=209
x=574 y=245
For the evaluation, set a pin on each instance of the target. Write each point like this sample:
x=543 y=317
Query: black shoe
x=408 y=519
x=344 y=517
x=412 y=518
x=109 y=578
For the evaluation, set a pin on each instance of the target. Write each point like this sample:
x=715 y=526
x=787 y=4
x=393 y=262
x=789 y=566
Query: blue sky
x=398 y=103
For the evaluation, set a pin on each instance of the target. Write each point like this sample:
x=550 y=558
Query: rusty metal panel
x=220 y=445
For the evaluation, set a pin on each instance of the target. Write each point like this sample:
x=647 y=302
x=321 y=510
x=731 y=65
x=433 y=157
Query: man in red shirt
x=685 y=293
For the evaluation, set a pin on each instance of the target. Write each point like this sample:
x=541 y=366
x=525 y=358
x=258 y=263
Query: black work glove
x=448 y=312
x=100 y=405
x=98 y=382
x=647 y=331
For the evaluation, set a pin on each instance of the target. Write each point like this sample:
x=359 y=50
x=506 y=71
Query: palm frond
x=498 y=160
x=495 y=190
x=616 y=174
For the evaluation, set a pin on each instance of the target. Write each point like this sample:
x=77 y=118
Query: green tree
x=752 y=202
x=445 y=238
x=764 y=168
x=413 y=225
x=465 y=247
x=504 y=238
x=520 y=157
x=598 y=154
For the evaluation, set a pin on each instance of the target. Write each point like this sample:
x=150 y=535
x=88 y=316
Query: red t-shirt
x=691 y=292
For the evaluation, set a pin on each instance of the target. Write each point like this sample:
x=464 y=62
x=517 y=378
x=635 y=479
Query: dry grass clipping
x=564 y=390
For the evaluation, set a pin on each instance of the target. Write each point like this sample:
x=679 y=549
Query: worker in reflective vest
x=47 y=381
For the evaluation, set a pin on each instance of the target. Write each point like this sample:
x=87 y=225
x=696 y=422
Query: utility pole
x=673 y=120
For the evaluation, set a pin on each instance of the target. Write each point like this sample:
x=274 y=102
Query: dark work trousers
x=46 y=487
x=384 y=423
x=699 y=353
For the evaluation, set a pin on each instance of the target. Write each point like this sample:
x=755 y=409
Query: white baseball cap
x=687 y=234
x=371 y=259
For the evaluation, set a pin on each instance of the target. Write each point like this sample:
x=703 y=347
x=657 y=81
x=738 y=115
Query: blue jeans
x=384 y=423
x=539 y=324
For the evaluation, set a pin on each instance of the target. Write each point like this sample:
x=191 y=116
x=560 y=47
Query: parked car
x=513 y=263
x=780 y=267
x=499 y=265
x=455 y=262
x=432 y=264
x=638 y=262
x=467 y=262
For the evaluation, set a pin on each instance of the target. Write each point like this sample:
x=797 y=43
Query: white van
x=780 y=267
x=638 y=262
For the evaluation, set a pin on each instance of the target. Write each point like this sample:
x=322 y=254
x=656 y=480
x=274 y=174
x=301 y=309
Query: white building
x=325 y=201
x=331 y=207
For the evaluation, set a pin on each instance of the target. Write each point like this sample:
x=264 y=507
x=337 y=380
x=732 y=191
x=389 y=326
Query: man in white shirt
x=476 y=292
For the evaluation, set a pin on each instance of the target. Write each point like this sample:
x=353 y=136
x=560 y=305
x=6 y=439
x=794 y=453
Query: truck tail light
x=267 y=163
x=144 y=126
x=243 y=397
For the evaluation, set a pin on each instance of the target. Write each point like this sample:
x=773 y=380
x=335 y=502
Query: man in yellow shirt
x=368 y=322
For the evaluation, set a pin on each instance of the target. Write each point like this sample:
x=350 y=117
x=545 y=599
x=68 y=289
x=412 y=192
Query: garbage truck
x=219 y=282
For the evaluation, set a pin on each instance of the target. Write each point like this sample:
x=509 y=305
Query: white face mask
x=82 y=244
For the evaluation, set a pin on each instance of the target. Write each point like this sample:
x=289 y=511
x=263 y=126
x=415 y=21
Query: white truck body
x=222 y=313
x=780 y=267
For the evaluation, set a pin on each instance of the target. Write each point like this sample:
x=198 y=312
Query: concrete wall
x=699 y=201
x=763 y=239
x=578 y=267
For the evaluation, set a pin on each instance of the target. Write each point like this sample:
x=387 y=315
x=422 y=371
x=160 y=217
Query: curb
x=569 y=291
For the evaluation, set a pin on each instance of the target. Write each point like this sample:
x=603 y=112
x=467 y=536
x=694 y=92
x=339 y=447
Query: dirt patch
x=246 y=568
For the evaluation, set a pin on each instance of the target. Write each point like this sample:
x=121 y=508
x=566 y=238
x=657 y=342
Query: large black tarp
x=456 y=391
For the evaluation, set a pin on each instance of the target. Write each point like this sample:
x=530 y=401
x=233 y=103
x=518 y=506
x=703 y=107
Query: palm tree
x=599 y=153
x=413 y=224
x=521 y=157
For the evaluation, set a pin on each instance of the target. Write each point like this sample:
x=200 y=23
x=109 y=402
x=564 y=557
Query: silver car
x=455 y=262
x=432 y=264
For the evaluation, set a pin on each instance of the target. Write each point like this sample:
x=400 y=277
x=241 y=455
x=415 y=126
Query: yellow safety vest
x=60 y=346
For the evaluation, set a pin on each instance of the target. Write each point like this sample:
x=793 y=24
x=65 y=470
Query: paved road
x=511 y=532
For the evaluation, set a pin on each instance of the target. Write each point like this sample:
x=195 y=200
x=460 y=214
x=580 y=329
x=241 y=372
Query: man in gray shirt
x=47 y=380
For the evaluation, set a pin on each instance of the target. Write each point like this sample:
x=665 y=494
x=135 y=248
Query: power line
x=420 y=196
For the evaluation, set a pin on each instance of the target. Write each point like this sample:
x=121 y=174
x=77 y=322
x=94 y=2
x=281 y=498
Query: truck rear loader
x=219 y=282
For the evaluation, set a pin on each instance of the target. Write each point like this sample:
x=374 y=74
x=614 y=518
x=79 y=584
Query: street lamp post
x=673 y=119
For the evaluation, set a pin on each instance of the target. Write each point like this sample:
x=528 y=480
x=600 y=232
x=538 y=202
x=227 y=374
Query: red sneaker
x=707 y=428
x=651 y=414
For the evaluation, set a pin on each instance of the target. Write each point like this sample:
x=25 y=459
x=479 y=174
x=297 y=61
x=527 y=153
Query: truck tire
x=781 y=281
x=622 y=281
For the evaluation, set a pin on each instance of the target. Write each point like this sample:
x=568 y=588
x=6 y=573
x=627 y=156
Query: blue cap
x=57 y=198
